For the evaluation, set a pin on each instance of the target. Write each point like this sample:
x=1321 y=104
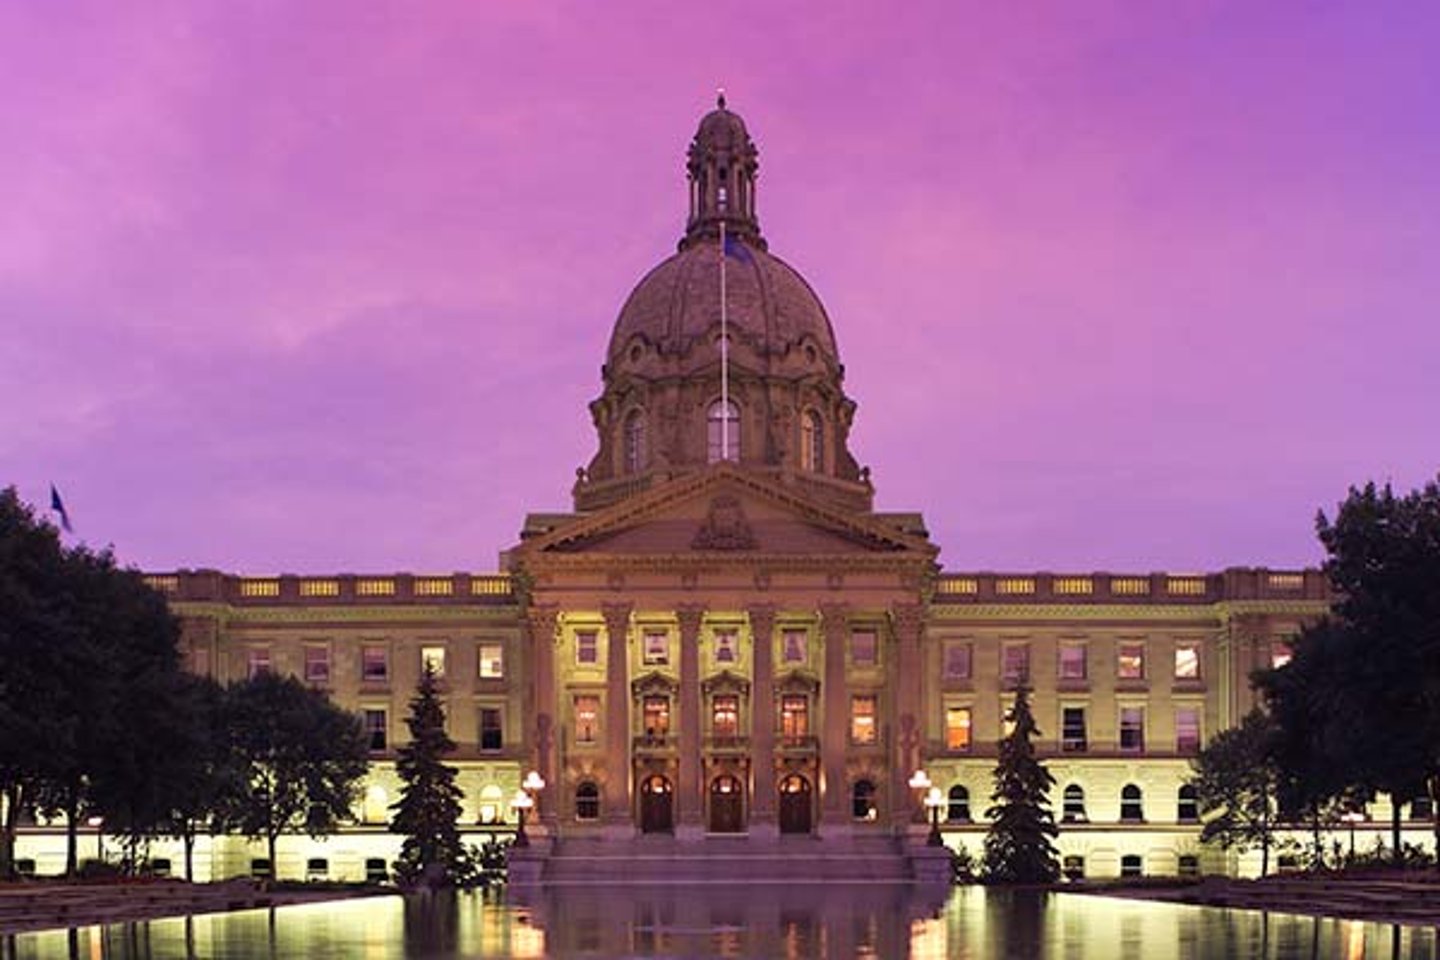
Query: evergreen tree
x=429 y=805
x=1018 y=847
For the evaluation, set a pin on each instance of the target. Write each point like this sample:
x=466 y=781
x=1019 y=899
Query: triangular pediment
x=726 y=512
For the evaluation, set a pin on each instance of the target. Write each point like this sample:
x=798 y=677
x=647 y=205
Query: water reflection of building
x=724 y=637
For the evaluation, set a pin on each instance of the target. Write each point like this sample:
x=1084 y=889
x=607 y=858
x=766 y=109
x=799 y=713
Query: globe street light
x=934 y=800
x=521 y=803
x=919 y=782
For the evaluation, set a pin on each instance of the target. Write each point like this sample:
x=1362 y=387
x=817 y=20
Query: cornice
x=347 y=614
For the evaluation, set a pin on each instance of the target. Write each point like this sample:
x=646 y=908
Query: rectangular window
x=794 y=716
x=1016 y=664
x=257 y=661
x=656 y=648
x=433 y=658
x=1187 y=661
x=492 y=729
x=587 y=647
x=1072 y=730
x=317 y=664
x=1187 y=729
x=375 y=729
x=725 y=716
x=374 y=665
x=864 y=648
x=726 y=646
x=957 y=660
x=794 y=646
x=862 y=719
x=957 y=728
x=1072 y=661
x=587 y=719
x=1132 y=729
x=1130 y=661
x=492 y=659
x=657 y=716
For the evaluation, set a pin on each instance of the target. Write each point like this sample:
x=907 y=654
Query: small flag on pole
x=735 y=248
x=58 y=505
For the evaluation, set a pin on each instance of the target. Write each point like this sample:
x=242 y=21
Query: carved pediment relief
x=652 y=684
x=797 y=681
x=726 y=682
x=725 y=526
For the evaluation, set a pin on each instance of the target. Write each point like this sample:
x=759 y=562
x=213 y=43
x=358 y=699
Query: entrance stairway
x=652 y=859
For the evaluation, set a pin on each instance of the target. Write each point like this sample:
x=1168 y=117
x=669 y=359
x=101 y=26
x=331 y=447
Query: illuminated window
x=794 y=716
x=1015 y=667
x=1072 y=809
x=864 y=648
x=726 y=644
x=812 y=442
x=587 y=719
x=657 y=716
x=1072 y=661
x=656 y=648
x=1187 y=729
x=257 y=661
x=957 y=660
x=1132 y=729
x=1132 y=804
x=433 y=659
x=862 y=800
x=492 y=659
x=724 y=432
x=375 y=728
x=374 y=664
x=587 y=647
x=957 y=728
x=862 y=719
x=1187 y=805
x=492 y=803
x=794 y=645
x=587 y=801
x=317 y=664
x=1187 y=661
x=1280 y=653
x=635 y=442
x=1072 y=730
x=958 y=809
x=725 y=716
x=1130 y=661
x=492 y=729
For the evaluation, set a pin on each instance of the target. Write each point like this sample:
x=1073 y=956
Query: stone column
x=762 y=722
x=691 y=788
x=539 y=639
x=834 y=739
x=908 y=622
x=618 y=804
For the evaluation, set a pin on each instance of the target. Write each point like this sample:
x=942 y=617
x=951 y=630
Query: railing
x=736 y=744
x=798 y=744
x=653 y=743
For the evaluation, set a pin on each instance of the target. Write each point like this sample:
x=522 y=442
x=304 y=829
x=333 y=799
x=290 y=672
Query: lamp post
x=919 y=782
x=934 y=800
x=1352 y=817
x=521 y=803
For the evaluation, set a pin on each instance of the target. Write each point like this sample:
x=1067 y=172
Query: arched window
x=376 y=807
x=1131 y=865
x=587 y=801
x=1132 y=804
x=634 y=441
x=723 y=431
x=1072 y=868
x=862 y=798
x=1073 y=810
x=812 y=442
x=1187 y=805
x=1188 y=865
x=958 y=810
x=492 y=804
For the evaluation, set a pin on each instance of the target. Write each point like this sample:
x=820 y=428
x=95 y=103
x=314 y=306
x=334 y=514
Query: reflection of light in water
x=526 y=940
x=96 y=936
x=927 y=940
x=1354 y=940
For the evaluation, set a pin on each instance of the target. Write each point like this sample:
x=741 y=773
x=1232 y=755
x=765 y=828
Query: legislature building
x=723 y=638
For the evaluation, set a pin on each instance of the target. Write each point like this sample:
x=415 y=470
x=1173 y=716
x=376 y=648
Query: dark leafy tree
x=1019 y=846
x=299 y=759
x=1236 y=783
x=428 y=810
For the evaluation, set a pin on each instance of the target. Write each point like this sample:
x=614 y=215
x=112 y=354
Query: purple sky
x=327 y=286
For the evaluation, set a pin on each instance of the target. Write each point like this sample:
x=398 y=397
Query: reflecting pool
x=724 y=920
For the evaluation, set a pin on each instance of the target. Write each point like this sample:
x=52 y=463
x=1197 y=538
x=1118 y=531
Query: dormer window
x=634 y=441
x=723 y=431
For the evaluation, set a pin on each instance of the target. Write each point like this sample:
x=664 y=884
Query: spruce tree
x=429 y=806
x=1018 y=847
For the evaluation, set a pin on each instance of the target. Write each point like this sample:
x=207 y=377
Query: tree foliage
x=1019 y=846
x=1236 y=784
x=428 y=810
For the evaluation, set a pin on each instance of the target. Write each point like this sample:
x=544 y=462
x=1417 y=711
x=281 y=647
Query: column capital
x=833 y=617
x=690 y=615
x=541 y=618
x=908 y=619
x=616 y=614
x=762 y=615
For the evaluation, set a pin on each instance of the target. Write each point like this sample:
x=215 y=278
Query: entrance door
x=657 y=805
x=795 y=815
x=727 y=805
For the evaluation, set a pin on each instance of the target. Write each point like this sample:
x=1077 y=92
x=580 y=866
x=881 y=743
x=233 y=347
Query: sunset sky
x=326 y=287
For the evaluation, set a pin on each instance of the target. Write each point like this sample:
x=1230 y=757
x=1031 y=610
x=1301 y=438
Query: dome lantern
x=720 y=166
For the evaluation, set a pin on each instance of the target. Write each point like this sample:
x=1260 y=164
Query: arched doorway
x=727 y=805
x=795 y=813
x=657 y=805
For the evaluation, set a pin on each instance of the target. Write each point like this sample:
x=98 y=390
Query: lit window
x=587 y=801
x=862 y=719
x=957 y=660
x=1130 y=663
x=957 y=728
x=1280 y=653
x=724 y=432
x=492 y=729
x=726 y=644
x=1187 y=661
x=374 y=664
x=635 y=442
x=1073 y=805
x=1132 y=804
x=492 y=801
x=317 y=664
x=375 y=729
x=1072 y=730
x=864 y=648
x=492 y=659
x=794 y=644
x=958 y=809
x=1187 y=805
x=812 y=442
x=657 y=716
x=1187 y=729
x=257 y=661
x=657 y=648
x=433 y=659
x=1072 y=661
x=1132 y=728
x=725 y=716
x=862 y=800
x=587 y=719
x=794 y=716
x=587 y=647
x=1015 y=667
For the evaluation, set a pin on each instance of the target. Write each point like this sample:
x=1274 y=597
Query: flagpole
x=724 y=357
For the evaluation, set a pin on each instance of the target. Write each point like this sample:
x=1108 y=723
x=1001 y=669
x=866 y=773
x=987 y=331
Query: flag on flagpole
x=58 y=506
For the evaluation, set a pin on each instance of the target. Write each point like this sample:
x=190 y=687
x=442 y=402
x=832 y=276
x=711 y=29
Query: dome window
x=634 y=441
x=723 y=431
x=812 y=442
